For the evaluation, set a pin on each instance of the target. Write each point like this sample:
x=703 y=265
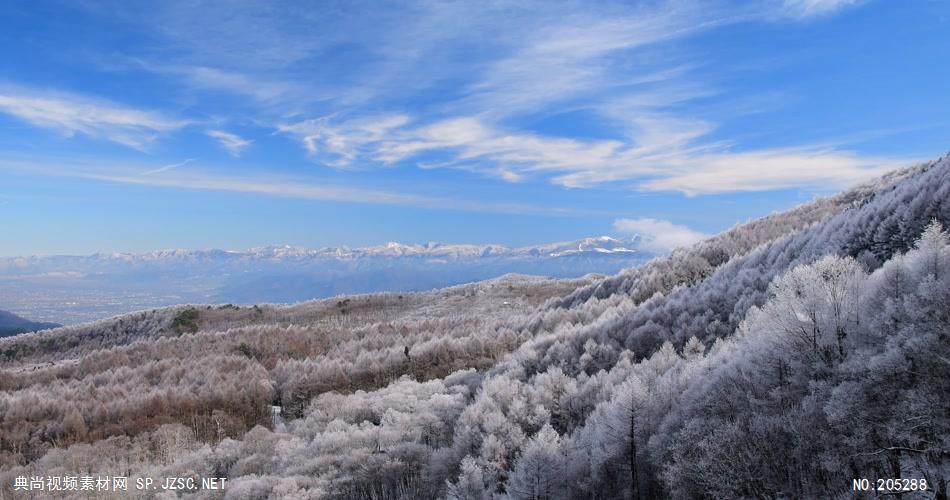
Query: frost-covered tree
x=778 y=359
x=470 y=484
x=538 y=473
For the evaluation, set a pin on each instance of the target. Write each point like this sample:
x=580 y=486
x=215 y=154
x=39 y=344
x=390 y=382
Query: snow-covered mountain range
x=595 y=245
x=69 y=289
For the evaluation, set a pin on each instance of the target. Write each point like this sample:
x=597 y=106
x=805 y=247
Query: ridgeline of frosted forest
x=782 y=358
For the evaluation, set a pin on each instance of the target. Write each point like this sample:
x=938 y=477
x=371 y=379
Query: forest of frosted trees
x=781 y=359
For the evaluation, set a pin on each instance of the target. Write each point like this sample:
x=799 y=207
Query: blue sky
x=135 y=126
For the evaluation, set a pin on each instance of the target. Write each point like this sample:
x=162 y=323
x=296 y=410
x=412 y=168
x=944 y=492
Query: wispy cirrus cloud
x=266 y=185
x=663 y=153
x=72 y=114
x=266 y=90
x=816 y=167
x=812 y=8
x=232 y=143
x=166 y=168
x=340 y=144
x=606 y=67
x=448 y=85
x=588 y=58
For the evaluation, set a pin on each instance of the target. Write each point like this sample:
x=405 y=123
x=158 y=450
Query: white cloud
x=477 y=76
x=242 y=34
x=267 y=185
x=233 y=143
x=764 y=170
x=582 y=57
x=602 y=64
x=662 y=153
x=338 y=145
x=659 y=235
x=810 y=8
x=166 y=168
x=268 y=91
x=74 y=114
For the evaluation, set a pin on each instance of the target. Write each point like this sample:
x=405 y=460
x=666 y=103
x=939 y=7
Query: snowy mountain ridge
x=81 y=288
x=600 y=244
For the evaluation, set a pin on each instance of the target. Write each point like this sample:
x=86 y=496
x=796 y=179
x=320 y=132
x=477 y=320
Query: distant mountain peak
x=435 y=249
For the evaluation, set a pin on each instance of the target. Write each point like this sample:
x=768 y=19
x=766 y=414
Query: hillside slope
x=11 y=324
x=782 y=358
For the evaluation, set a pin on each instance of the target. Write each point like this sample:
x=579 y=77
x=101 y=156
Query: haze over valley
x=76 y=289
